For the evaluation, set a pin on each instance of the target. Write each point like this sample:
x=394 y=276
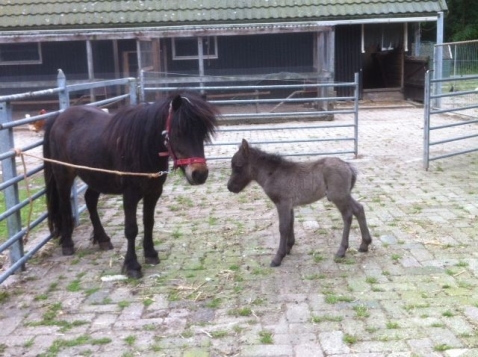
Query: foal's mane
x=269 y=158
x=135 y=132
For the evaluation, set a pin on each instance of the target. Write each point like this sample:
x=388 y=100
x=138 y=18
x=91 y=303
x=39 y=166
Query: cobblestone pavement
x=214 y=294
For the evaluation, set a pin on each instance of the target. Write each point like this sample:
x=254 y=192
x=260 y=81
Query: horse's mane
x=135 y=132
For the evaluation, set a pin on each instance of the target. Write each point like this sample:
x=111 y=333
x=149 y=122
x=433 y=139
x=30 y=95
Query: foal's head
x=241 y=174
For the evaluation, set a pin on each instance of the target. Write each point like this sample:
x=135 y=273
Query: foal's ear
x=245 y=146
x=176 y=102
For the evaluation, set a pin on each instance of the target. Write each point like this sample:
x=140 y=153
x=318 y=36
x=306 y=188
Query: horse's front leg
x=99 y=234
x=131 y=266
x=149 y=204
x=286 y=228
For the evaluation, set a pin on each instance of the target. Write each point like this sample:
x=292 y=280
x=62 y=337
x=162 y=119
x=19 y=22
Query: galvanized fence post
x=64 y=102
x=133 y=96
x=426 y=124
x=356 y=111
x=9 y=171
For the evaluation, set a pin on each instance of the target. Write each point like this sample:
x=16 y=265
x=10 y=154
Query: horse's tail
x=51 y=194
x=354 y=172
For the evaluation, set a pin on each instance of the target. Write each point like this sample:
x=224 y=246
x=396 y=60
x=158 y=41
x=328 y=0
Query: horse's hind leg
x=149 y=204
x=359 y=213
x=99 y=234
x=64 y=183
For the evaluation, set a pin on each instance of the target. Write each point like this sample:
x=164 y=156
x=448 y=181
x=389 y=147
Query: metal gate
x=11 y=180
x=277 y=109
x=447 y=136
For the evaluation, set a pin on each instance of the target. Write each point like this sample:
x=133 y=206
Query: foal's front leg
x=286 y=230
x=131 y=266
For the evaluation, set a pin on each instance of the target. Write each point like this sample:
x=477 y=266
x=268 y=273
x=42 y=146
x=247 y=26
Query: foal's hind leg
x=291 y=238
x=346 y=212
x=99 y=234
x=359 y=213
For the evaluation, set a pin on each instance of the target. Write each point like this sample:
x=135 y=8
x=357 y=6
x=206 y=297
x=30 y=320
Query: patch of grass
x=334 y=299
x=266 y=337
x=219 y=334
x=396 y=257
x=441 y=347
x=448 y=313
x=244 y=311
x=328 y=318
x=74 y=286
x=349 y=339
x=392 y=325
x=123 y=304
x=214 y=303
x=61 y=344
x=130 y=340
x=371 y=280
x=361 y=311
x=3 y=296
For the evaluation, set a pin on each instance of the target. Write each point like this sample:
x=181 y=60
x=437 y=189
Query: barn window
x=20 y=53
x=187 y=48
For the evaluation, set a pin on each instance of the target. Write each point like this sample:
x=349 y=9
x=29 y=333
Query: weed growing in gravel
x=361 y=311
x=441 y=348
x=266 y=337
x=130 y=340
x=123 y=304
x=60 y=344
x=334 y=299
x=244 y=311
x=392 y=325
x=326 y=318
x=219 y=334
x=349 y=339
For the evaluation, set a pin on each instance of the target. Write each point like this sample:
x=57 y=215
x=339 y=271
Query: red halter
x=176 y=162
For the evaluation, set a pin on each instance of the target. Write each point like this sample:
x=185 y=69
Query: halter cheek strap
x=176 y=162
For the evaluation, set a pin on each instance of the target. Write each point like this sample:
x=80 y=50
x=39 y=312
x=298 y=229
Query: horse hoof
x=363 y=250
x=68 y=250
x=105 y=245
x=275 y=264
x=133 y=274
x=151 y=260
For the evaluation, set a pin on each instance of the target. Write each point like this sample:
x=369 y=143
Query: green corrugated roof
x=54 y=14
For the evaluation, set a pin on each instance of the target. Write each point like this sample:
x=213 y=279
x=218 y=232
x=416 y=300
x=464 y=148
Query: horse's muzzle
x=196 y=174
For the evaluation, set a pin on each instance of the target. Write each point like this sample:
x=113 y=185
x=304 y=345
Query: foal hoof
x=363 y=249
x=275 y=264
x=133 y=274
x=105 y=245
x=68 y=250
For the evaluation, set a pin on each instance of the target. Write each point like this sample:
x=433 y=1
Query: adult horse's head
x=190 y=123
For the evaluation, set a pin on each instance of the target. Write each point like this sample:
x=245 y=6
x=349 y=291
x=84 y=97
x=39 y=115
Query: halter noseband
x=176 y=162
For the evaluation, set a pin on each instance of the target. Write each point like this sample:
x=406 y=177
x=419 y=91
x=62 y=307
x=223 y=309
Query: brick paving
x=214 y=294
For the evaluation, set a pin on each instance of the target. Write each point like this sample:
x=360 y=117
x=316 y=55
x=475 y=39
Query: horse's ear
x=176 y=102
x=245 y=147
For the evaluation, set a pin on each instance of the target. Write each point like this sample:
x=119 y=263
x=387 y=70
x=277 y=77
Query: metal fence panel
x=9 y=185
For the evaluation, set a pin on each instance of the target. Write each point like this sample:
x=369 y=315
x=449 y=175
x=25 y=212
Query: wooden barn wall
x=71 y=58
x=253 y=54
x=348 y=58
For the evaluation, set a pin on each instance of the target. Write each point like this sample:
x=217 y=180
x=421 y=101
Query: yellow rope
x=22 y=154
x=18 y=152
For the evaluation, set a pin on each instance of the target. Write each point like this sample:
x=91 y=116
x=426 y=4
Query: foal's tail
x=52 y=196
x=354 y=172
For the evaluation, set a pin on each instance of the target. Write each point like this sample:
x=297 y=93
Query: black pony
x=137 y=139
